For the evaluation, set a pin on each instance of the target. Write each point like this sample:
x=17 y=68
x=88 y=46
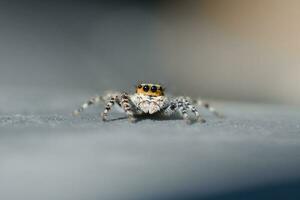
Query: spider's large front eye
x=146 y=88
x=153 y=88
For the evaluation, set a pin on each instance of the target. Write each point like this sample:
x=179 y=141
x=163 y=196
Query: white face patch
x=148 y=104
x=149 y=107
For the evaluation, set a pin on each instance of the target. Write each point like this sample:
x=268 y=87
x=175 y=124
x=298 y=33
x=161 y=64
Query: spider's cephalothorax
x=147 y=100
x=153 y=90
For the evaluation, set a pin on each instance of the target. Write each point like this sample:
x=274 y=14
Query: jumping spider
x=149 y=99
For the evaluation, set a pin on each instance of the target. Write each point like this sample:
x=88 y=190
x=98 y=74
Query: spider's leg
x=123 y=101
x=108 y=107
x=208 y=107
x=177 y=106
x=193 y=109
x=169 y=109
x=181 y=105
x=183 y=111
x=88 y=103
x=127 y=106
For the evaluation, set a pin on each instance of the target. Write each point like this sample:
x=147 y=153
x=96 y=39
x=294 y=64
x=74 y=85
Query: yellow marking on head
x=150 y=89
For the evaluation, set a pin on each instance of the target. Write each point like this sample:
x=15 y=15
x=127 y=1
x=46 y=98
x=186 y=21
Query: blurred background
x=231 y=50
x=56 y=54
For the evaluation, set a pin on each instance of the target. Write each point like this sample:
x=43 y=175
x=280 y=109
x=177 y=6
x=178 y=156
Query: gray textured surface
x=56 y=156
x=53 y=55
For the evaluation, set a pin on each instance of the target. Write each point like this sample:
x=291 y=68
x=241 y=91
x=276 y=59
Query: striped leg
x=183 y=112
x=108 y=107
x=90 y=102
x=127 y=107
x=169 y=110
x=207 y=106
x=177 y=106
x=194 y=110
x=182 y=105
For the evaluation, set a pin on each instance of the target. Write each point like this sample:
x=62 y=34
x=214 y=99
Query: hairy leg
x=108 y=107
x=182 y=106
x=127 y=107
x=91 y=101
x=193 y=109
x=208 y=107
x=123 y=101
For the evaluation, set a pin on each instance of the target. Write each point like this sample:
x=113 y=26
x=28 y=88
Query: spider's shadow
x=154 y=117
x=116 y=119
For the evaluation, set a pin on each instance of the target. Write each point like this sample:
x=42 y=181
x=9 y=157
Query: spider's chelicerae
x=149 y=99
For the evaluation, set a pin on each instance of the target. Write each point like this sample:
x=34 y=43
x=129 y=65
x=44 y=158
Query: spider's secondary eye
x=153 y=88
x=160 y=88
x=140 y=86
x=146 y=88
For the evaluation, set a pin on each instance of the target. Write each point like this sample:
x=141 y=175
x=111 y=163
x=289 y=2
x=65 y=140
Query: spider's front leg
x=109 y=105
x=127 y=106
x=124 y=102
x=182 y=106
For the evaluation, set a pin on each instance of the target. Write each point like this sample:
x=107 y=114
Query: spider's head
x=149 y=89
